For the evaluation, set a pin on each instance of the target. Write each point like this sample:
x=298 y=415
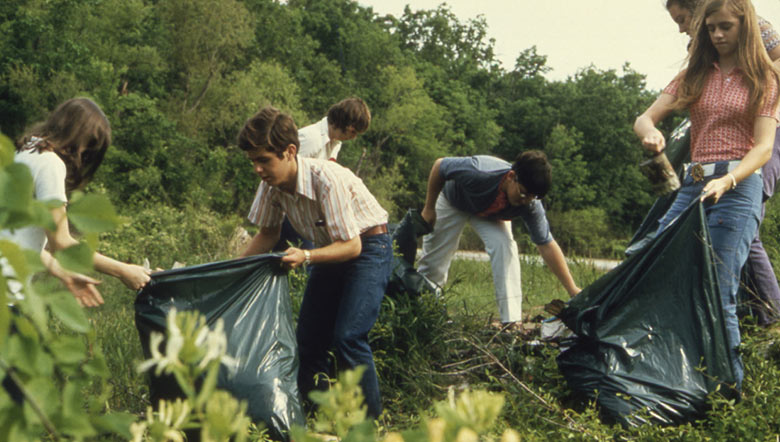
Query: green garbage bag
x=651 y=342
x=251 y=296
x=678 y=152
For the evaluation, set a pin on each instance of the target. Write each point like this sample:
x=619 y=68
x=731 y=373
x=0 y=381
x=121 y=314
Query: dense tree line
x=177 y=79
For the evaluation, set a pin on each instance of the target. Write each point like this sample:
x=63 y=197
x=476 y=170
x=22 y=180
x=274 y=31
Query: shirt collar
x=304 y=185
x=324 y=128
x=732 y=72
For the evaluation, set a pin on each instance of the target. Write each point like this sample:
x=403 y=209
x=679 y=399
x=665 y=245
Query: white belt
x=709 y=168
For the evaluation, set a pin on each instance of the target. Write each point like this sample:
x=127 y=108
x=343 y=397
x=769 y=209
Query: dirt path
x=601 y=264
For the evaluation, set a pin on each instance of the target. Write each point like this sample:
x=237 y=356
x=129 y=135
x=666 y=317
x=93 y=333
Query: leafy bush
x=164 y=235
x=586 y=232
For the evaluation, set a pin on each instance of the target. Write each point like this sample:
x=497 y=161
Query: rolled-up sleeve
x=535 y=220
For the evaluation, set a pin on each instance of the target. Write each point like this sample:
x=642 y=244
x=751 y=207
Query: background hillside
x=177 y=79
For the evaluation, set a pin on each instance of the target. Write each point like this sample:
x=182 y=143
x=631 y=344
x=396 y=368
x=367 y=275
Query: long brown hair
x=752 y=57
x=79 y=133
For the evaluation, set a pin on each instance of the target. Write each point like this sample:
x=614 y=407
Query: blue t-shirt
x=472 y=185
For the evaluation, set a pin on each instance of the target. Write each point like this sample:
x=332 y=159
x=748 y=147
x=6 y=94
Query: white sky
x=576 y=33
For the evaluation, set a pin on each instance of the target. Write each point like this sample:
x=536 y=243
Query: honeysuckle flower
x=216 y=347
x=138 y=430
x=173 y=345
x=164 y=424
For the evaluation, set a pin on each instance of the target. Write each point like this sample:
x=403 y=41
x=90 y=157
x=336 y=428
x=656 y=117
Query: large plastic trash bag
x=678 y=152
x=405 y=278
x=251 y=296
x=651 y=341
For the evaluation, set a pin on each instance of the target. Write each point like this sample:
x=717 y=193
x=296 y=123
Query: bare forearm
x=108 y=266
x=645 y=125
x=263 y=242
x=435 y=184
x=553 y=256
x=338 y=251
x=51 y=264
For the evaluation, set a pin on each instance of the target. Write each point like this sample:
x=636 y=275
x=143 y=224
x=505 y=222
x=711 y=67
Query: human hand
x=134 y=276
x=83 y=289
x=429 y=215
x=654 y=141
x=293 y=258
x=716 y=188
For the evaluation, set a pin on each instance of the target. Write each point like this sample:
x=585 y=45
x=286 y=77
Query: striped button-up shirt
x=721 y=125
x=330 y=204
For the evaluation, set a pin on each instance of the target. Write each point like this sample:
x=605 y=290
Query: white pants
x=439 y=248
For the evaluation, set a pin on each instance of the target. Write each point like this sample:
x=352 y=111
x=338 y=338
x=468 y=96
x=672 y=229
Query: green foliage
x=164 y=235
x=47 y=370
x=341 y=407
x=202 y=42
x=178 y=78
x=770 y=230
x=586 y=232
x=570 y=188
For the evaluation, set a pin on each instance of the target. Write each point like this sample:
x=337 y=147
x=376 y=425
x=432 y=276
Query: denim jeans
x=733 y=223
x=340 y=305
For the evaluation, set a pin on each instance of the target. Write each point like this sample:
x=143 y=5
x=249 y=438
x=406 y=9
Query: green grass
x=470 y=287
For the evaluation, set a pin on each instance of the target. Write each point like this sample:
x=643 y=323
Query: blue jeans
x=733 y=223
x=339 y=308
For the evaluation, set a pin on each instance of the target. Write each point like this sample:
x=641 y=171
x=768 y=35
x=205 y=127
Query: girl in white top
x=62 y=154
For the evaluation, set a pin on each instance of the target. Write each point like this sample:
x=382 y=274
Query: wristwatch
x=306 y=257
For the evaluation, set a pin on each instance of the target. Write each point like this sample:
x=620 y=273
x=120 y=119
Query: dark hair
x=268 y=129
x=79 y=133
x=351 y=111
x=534 y=172
x=690 y=5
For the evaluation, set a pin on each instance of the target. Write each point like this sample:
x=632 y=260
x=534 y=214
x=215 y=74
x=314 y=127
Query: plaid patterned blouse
x=721 y=127
x=330 y=203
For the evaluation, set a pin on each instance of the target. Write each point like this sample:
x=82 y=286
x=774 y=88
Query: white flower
x=138 y=430
x=216 y=347
x=214 y=342
x=173 y=346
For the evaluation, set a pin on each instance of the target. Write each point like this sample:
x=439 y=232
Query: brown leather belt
x=376 y=230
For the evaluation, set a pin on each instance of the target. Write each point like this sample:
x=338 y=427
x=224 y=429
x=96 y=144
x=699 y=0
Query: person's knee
x=503 y=247
x=352 y=348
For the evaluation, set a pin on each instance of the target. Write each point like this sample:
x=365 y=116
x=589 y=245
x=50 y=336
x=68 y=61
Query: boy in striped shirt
x=351 y=262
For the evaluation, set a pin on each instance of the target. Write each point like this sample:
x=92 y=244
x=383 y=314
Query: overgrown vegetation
x=177 y=79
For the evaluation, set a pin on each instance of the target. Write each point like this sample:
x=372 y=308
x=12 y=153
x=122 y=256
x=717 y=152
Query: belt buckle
x=697 y=172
